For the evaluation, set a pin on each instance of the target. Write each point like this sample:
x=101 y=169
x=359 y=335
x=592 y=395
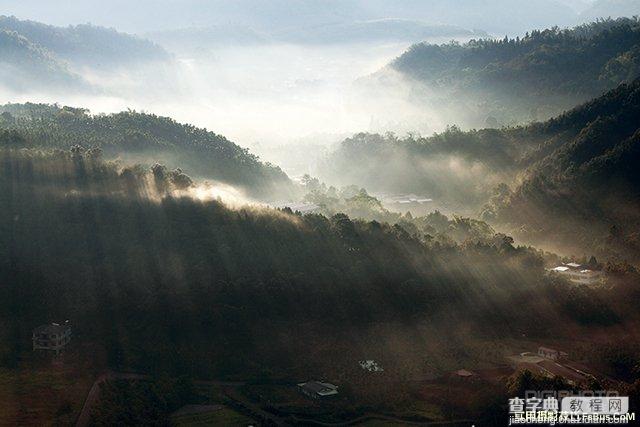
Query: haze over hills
x=253 y=79
x=572 y=175
x=204 y=39
x=492 y=83
x=26 y=66
x=86 y=44
x=144 y=16
x=582 y=185
x=256 y=77
x=73 y=60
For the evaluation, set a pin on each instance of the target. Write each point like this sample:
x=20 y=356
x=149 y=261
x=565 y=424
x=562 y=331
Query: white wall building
x=577 y=273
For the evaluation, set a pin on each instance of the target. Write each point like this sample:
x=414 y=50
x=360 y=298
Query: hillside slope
x=538 y=76
x=86 y=44
x=25 y=65
x=144 y=138
x=172 y=284
x=581 y=187
x=565 y=183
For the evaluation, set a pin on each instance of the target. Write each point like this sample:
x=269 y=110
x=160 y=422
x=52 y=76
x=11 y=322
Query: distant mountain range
x=498 y=16
x=86 y=44
x=25 y=65
x=379 y=30
x=34 y=55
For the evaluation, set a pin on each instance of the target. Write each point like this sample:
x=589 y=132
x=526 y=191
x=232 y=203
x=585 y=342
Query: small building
x=52 y=337
x=550 y=353
x=317 y=389
x=463 y=373
x=370 y=365
x=578 y=274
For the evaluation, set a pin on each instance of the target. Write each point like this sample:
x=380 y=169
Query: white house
x=550 y=353
x=577 y=273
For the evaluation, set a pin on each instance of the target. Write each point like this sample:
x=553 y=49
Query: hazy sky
x=139 y=16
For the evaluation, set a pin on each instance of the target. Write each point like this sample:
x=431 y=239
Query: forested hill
x=143 y=138
x=85 y=44
x=173 y=284
x=537 y=76
x=575 y=176
x=582 y=185
x=35 y=57
x=27 y=66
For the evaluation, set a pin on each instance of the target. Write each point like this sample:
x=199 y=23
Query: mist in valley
x=288 y=84
x=287 y=103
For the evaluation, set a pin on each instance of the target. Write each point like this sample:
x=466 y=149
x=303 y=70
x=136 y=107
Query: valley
x=316 y=212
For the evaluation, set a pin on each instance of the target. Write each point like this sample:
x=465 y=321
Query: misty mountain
x=146 y=139
x=27 y=66
x=581 y=185
x=457 y=169
x=86 y=44
x=574 y=177
x=498 y=17
x=202 y=39
x=509 y=81
x=48 y=59
x=145 y=16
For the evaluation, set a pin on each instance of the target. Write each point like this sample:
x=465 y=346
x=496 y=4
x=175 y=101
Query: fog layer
x=260 y=96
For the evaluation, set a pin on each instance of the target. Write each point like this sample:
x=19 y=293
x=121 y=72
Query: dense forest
x=581 y=186
x=512 y=80
x=145 y=138
x=160 y=282
x=570 y=179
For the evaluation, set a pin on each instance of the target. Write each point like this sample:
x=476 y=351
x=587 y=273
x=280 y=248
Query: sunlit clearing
x=228 y=194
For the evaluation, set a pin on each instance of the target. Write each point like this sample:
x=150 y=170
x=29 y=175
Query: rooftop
x=464 y=373
x=52 y=328
x=320 y=388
